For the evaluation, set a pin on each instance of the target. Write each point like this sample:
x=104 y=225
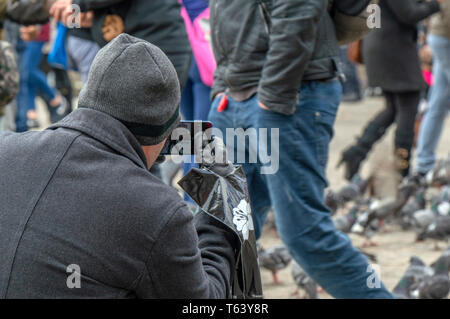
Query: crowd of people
x=272 y=64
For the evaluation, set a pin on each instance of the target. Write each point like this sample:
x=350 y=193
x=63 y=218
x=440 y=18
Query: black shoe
x=351 y=159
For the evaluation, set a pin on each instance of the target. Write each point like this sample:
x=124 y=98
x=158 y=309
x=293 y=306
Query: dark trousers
x=401 y=109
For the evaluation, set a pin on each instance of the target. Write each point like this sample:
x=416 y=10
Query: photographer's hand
x=212 y=155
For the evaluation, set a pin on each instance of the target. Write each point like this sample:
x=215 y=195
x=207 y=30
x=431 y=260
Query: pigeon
x=409 y=186
x=415 y=274
x=440 y=175
x=383 y=209
x=436 y=286
x=332 y=201
x=438 y=230
x=366 y=228
x=344 y=223
x=403 y=288
x=274 y=259
x=303 y=282
x=414 y=204
x=441 y=204
x=351 y=192
x=421 y=219
x=270 y=224
x=443 y=262
x=370 y=221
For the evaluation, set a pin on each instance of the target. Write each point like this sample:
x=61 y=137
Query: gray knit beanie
x=134 y=82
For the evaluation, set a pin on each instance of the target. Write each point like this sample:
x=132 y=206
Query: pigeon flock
x=422 y=204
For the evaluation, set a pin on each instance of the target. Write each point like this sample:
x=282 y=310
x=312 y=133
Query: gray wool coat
x=78 y=206
x=390 y=53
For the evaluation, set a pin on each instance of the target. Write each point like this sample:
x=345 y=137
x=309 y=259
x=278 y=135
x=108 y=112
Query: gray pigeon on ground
x=304 y=282
x=414 y=204
x=344 y=223
x=438 y=230
x=436 y=286
x=440 y=175
x=441 y=204
x=368 y=223
x=421 y=219
x=415 y=274
x=350 y=192
x=274 y=259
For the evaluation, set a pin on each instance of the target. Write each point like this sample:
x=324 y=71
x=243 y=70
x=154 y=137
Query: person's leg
x=202 y=93
x=432 y=123
x=351 y=85
x=187 y=101
x=241 y=115
x=37 y=78
x=81 y=54
x=297 y=193
x=407 y=105
x=23 y=94
x=64 y=86
x=354 y=155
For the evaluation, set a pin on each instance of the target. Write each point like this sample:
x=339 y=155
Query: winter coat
x=82 y=217
x=390 y=52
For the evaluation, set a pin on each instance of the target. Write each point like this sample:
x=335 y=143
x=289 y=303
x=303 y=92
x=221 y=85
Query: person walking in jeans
x=439 y=100
x=33 y=80
x=277 y=70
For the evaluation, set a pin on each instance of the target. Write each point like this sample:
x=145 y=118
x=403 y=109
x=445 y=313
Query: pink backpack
x=199 y=34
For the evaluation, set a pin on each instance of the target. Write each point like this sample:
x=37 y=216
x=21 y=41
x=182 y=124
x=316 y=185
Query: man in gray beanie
x=82 y=217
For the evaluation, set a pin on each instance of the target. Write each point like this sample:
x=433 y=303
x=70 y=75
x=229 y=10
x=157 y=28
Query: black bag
x=27 y=12
x=227 y=200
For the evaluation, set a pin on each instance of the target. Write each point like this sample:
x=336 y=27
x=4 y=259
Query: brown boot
x=402 y=161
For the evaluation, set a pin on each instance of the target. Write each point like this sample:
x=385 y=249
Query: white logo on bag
x=242 y=218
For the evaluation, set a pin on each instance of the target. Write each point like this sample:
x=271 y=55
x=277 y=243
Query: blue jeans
x=242 y=115
x=32 y=81
x=439 y=102
x=296 y=190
